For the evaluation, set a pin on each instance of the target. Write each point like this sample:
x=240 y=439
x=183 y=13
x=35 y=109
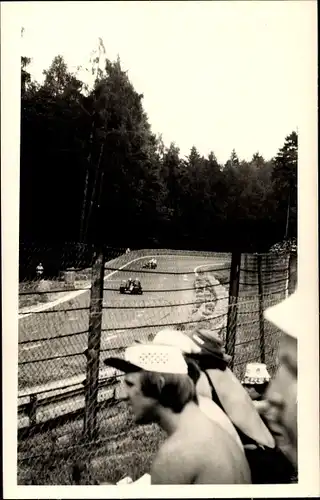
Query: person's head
x=256 y=380
x=147 y=392
x=281 y=394
x=202 y=349
x=211 y=353
x=156 y=378
x=256 y=391
x=203 y=346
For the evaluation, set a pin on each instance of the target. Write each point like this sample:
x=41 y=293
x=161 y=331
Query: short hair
x=172 y=391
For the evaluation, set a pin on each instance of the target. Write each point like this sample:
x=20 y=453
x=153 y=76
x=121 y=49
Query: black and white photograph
x=161 y=295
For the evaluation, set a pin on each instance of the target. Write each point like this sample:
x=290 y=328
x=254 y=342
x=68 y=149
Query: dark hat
x=210 y=344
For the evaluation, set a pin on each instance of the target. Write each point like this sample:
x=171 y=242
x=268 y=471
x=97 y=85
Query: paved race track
x=166 y=299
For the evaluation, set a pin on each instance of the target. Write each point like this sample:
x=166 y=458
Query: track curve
x=166 y=299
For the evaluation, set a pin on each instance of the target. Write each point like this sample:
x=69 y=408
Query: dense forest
x=92 y=171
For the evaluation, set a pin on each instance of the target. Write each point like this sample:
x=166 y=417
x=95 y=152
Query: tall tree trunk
x=86 y=184
x=84 y=223
x=94 y=188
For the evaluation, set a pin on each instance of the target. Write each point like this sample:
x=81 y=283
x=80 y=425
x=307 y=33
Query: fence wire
x=54 y=320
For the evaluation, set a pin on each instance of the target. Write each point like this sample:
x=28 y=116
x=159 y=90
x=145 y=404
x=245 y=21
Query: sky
x=218 y=75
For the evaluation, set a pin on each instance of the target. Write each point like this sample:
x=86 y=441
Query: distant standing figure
x=128 y=250
x=39 y=270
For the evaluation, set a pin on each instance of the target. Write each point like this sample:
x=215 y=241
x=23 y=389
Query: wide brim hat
x=210 y=344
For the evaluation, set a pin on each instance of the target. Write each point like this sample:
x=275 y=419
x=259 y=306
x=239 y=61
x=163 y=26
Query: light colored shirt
x=212 y=410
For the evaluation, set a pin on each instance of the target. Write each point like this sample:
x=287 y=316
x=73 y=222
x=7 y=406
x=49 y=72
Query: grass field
x=122 y=449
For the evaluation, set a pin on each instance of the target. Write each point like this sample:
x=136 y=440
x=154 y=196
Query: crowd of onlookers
x=220 y=430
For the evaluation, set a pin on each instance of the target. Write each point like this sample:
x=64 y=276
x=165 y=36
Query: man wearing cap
x=281 y=397
x=197 y=450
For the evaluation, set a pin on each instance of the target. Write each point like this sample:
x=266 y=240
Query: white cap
x=169 y=336
x=151 y=357
x=256 y=373
x=292 y=314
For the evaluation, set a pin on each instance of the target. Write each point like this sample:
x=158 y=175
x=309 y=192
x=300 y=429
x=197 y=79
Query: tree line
x=93 y=171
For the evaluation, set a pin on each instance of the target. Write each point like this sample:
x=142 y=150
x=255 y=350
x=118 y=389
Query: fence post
x=245 y=269
x=33 y=409
x=233 y=305
x=93 y=351
x=261 y=308
x=292 y=281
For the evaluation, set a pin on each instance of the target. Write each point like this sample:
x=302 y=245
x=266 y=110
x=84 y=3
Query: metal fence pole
x=233 y=305
x=32 y=410
x=292 y=281
x=286 y=292
x=93 y=351
x=245 y=265
x=261 y=308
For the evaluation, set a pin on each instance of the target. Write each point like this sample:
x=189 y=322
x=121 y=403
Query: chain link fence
x=73 y=427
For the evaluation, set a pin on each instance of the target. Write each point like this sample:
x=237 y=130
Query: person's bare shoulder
x=173 y=464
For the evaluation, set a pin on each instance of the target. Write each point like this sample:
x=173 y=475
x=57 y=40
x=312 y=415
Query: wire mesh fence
x=73 y=426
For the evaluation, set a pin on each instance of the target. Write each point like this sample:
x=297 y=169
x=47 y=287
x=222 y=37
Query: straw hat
x=150 y=357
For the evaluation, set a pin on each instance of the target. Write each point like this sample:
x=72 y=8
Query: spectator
x=39 y=270
x=256 y=380
x=226 y=389
x=281 y=397
x=267 y=463
x=196 y=451
x=169 y=336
